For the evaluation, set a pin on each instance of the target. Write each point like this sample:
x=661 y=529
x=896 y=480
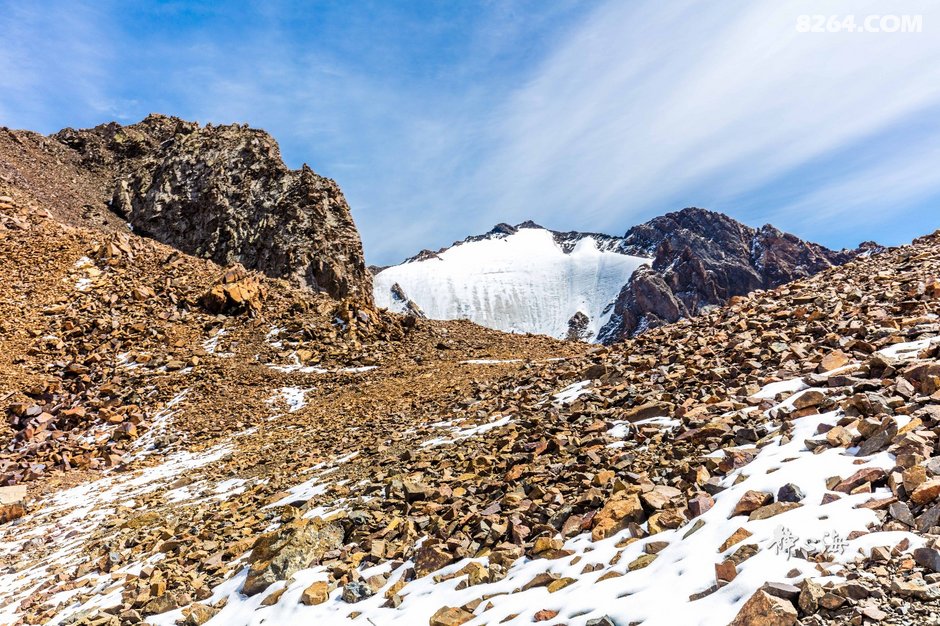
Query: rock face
x=222 y=193
x=703 y=258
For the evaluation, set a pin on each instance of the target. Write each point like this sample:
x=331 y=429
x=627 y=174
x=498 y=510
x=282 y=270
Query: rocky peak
x=703 y=258
x=567 y=240
x=219 y=192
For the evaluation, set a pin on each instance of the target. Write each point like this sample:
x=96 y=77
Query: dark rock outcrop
x=224 y=193
x=578 y=327
x=703 y=258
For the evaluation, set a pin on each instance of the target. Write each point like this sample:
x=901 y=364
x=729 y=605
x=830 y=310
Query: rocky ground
x=204 y=445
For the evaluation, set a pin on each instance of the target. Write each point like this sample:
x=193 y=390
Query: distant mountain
x=522 y=278
x=596 y=287
x=702 y=258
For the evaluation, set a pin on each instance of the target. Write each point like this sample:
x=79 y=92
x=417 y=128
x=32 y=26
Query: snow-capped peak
x=516 y=279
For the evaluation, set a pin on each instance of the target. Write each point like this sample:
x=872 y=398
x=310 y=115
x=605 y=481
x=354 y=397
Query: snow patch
x=293 y=397
x=572 y=392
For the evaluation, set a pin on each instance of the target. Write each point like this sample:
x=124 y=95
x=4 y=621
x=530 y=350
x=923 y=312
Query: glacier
x=522 y=282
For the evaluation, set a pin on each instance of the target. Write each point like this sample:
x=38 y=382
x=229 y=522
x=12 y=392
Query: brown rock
x=449 y=616
x=617 y=514
x=772 y=510
x=700 y=503
x=725 y=571
x=831 y=601
x=833 y=360
x=913 y=477
x=430 y=558
x=926 y=492
x=317 y=593
x=810 y=595
x=750 y=501
x=198 y=614
x=736 y=537
x=763 y=609
x=868 y=475
x=641 y=561
x=668 y=519
x=658 y=497
x=809 y=398
x=648 y=410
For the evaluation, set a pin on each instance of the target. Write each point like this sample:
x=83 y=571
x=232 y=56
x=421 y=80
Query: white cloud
x=649 y=102
x=589 y=115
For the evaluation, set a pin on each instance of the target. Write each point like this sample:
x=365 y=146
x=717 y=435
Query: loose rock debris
x=767 y=462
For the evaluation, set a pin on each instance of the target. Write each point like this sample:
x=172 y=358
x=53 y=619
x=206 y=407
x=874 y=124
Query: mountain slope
x=516 y=279
x=768 y=461
x=220 y=192
x=596 y=287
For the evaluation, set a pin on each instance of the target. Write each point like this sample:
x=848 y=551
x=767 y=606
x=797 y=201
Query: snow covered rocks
x=328 y=463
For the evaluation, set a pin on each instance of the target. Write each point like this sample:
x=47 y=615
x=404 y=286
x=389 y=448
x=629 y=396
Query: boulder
x=763 y=609
x=619 y=512
x=297 y=545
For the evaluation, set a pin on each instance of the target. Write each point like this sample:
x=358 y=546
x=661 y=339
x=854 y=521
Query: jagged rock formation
x=702 y=258
x=408 y=306
x=219 y=192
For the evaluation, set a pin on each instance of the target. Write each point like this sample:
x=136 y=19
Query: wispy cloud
x=54 y=56
x=649 y=103
x=441 y=119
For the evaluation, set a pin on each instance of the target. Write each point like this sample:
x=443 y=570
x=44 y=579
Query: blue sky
x=440 y=119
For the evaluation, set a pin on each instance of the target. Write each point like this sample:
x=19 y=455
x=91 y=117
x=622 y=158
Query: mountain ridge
x=697 y=258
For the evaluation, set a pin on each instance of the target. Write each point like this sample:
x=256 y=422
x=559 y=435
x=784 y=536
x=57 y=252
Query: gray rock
x=928 y=519
x=785 y=591
x=901 y=512
x=356 y=592
x=928 y=557
x=790 y=493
